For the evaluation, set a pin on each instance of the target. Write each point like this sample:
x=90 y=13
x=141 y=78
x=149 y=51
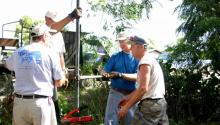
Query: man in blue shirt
x=121 y=68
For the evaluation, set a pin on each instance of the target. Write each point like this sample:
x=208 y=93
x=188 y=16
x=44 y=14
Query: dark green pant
x=151 y=112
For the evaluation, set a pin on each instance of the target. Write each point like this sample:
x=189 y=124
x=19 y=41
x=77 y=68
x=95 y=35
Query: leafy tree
x=96 y=42
x=24 y=28
x=122 y=11
x=91 y=44
x=193 y=88
x=202 y=28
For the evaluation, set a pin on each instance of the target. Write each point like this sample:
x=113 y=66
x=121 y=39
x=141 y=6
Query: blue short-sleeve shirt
x=123 y=63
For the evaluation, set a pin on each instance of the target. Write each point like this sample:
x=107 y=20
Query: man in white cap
x=37 y=70
x=57 y=42
x=150 y=93
x=121 y=68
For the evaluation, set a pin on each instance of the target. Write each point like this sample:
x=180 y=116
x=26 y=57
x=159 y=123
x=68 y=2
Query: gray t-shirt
x=156 y=87
x=35 y=66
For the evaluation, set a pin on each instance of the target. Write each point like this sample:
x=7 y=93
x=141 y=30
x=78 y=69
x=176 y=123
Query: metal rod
x=22 y=26
x=7 y=24
x=78 y=54
x=90 y=77
x=10 y=30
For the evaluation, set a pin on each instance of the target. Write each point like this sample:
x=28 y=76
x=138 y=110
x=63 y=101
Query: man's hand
x=122 y=112
x=122 y=103
x=66 y=80
x=122 y=108
x=66 y=83
x=106 y=75
x=76 y=13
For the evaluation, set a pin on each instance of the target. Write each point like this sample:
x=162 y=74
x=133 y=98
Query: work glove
x=112 y=75
x=106 y=76
x=115 y=75
x=76 y=13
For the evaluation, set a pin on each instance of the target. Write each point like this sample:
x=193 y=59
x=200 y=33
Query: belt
x=150 y=99
x=123 y=91
x=30 y=96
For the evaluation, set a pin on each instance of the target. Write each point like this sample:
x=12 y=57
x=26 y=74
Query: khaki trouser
x=34 y=112
x=151 y=112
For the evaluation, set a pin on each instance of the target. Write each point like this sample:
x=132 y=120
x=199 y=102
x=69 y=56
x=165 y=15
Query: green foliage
x=193 y=88
x=181 y=122
x=97 y=94
x=24 y=28
x=6 y=99
x=6 y=107
x=66 y=101
x=201 y=42
x=93 y=93
x=87 y=69
x=91 y=44
x=173 y=122
x=201 y=18
x=123 y=11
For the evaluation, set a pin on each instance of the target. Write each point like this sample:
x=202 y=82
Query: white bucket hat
x=52 y=14
x=41 y=29
x=122 y=36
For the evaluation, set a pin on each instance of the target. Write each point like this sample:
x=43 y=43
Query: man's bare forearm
x=60 y=24
x=129 y=77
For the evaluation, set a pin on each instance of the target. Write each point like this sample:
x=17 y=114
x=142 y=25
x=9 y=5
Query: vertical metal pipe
x=78 y=55
x=2 y=29
x=22 y=26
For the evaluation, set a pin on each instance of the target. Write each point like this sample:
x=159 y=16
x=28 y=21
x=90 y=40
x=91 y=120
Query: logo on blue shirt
x=29 y=57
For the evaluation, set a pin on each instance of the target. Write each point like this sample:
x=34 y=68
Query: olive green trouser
x=151 y=112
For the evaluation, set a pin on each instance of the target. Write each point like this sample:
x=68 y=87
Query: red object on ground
x=80 y=119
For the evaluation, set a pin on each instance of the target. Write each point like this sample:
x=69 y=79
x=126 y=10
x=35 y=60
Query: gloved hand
x=106 y=75
x=116 y=75
x=112 y=75
x=76 y=13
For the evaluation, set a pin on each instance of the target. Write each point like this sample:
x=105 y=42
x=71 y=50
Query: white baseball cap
x=41 y=29
x=52 y=14
x=122 y=36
